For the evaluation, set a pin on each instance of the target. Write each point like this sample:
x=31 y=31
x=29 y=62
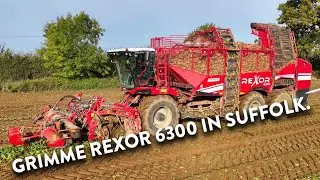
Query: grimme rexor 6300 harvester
x=204 y=74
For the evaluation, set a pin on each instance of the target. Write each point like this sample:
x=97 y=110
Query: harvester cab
x=135 y=66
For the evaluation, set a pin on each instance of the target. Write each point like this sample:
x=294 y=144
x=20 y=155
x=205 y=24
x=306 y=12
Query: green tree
x=71 y=47
x=2 y=49
x=303 y=17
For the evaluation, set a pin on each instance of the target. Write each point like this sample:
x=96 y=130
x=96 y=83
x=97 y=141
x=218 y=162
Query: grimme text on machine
x=169 y=133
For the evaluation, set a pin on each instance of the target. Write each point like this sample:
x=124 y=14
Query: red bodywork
x=299 y=70
x=50 y=126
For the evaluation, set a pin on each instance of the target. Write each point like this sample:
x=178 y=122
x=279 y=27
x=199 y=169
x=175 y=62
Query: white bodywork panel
x=130 y=50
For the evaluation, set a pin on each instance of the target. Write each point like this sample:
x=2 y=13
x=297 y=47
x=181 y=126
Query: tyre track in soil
x=9 y=174
x=219 y=161
x=105 y=160
x=101 y=167
x=11 y=119
x=3 y=142
x=70 y=168
x=213 y=159
x=287 y=166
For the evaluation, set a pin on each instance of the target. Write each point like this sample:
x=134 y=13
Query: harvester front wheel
x=158 y=112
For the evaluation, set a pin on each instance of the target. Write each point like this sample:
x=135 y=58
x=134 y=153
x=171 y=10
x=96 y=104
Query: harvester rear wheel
x=280 y=97
x=158 y=112
x=251 y=100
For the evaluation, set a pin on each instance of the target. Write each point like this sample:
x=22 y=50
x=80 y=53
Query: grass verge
x=51 y=83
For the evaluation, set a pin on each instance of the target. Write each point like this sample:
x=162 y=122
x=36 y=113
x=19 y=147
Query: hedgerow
x=51 y=83
x=21 y=66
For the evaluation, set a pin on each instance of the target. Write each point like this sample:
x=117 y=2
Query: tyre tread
x=148 y=102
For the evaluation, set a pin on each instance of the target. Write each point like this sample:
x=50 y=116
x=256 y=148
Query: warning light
x=163 y=90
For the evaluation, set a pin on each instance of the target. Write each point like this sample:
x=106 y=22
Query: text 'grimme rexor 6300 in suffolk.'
x=131 y=141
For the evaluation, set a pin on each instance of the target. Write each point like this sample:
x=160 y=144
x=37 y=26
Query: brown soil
x=283 y=149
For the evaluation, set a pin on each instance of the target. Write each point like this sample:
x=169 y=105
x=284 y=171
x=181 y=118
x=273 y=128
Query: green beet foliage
x=10 y=153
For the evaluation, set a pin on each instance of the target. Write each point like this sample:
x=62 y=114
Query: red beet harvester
x=159 y=93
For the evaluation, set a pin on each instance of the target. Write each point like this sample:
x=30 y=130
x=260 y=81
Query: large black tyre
x=250 y=100
x=280 y=97
x=158 y=112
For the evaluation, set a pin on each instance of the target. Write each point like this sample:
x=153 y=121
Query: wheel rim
x=162 y=117
x=255 y=104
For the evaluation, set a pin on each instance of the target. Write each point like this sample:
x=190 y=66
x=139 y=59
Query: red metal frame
x=168 y=46
x=49 y=128
x=167 y=42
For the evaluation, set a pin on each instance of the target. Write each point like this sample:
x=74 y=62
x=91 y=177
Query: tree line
x=303 y=18
x=70 y=50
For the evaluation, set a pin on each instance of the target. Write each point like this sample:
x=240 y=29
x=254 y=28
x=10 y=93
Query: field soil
x=271 y=149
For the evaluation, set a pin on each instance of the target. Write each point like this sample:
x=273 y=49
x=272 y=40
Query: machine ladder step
x=231 y=90
x=162 y=75
x=284 y=47
x=228 y=38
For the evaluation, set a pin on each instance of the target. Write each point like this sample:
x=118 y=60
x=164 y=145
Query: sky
x=131 y=23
